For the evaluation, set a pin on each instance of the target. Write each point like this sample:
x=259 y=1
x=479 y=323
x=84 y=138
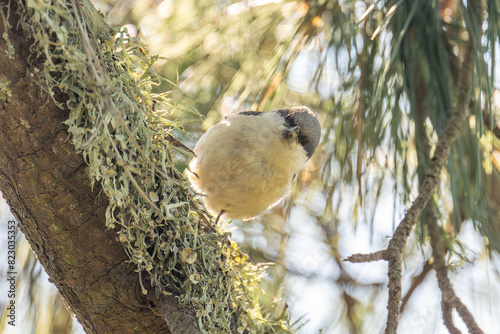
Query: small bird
x=246 y=163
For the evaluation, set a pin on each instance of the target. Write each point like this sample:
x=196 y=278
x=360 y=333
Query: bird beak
x=292 y=132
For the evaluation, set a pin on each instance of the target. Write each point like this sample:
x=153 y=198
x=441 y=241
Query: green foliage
x=429 y=55
x=122 y=129
x=382 y=75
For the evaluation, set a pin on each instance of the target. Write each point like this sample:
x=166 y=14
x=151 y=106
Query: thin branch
x=359 y=258
x=448 y=318
x=89 y=51
x=415 y=283
x=398 y=241
x=359 y=114
x=450 y=300
x=467 y=317
x=393 y=305
x=177 y=143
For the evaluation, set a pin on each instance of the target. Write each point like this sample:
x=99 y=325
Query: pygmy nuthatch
x=246 y=163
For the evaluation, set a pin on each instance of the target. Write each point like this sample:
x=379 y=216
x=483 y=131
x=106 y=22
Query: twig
x=358 y=258
x=207 y=223
x=450 y=300
x=177 y=143
x=448 y=318
x=359 y=114
x=415 y=283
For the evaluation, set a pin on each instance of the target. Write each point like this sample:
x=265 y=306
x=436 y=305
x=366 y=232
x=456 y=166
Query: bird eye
x=295 y=129
x=291 y=132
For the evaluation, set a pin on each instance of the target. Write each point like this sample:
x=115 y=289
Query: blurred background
x=381 y=77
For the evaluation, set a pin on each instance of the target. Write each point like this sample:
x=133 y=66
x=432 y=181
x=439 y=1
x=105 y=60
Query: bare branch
x=394 y=302
x=467 y=317
x=358 y=258
x=448 y=318
x=450 y=300
x=415 y=283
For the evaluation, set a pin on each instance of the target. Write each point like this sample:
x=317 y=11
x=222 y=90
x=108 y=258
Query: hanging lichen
x=120 y=127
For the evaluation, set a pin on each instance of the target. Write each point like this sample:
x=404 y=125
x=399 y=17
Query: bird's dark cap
x=310 y=130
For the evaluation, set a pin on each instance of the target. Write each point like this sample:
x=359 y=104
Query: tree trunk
x=48 y=190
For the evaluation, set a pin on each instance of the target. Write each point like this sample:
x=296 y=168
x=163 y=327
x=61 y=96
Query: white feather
x=244 y=165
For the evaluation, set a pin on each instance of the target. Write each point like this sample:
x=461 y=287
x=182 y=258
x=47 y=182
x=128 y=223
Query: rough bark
x=48 y=190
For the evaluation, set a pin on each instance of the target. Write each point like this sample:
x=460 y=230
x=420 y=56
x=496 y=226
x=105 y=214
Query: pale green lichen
x=116 y=123
x=4 y=14
x=5 y=91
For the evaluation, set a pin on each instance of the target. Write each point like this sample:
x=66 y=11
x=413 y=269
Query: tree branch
x=397 y=243
x=359 y=258
x=448 y=318
x=48 y=190
x=449 y=298
x=415 y=283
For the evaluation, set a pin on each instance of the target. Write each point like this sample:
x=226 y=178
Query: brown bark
x=48 y=190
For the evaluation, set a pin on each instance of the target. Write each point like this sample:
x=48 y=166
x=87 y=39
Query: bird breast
x=244 y=165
